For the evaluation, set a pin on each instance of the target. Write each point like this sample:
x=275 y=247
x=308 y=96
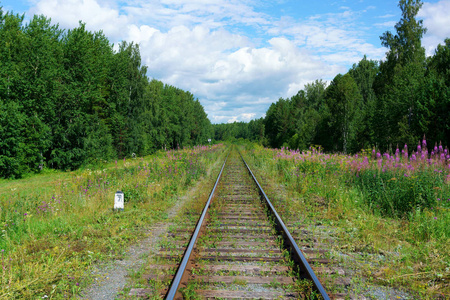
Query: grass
x=55 y=226
x=390 y=209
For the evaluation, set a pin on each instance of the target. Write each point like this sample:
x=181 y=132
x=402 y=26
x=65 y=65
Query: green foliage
x=410 y=228
x=405 y=46
x=395 y=194
x=55 y=226
x=68 y=99
x=254 y=131
x=345 y=101
x=12 y=148
x=392 y=102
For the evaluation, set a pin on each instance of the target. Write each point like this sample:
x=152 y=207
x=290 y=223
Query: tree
x=344 y=101
x=405 y=46
x=364 y=74
x=279 y=124
x=433 y=112
x=401 y=77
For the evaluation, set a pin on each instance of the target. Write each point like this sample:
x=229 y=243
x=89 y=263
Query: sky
x=239 y=56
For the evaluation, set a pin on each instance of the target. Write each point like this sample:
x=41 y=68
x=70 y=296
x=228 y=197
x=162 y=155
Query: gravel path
x=110 y=278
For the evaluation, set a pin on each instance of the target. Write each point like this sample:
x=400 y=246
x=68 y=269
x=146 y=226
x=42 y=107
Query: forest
x=382 y=104
x=70 y=98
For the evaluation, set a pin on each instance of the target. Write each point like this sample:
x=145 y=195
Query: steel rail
x=182 y=268
x=295 y=250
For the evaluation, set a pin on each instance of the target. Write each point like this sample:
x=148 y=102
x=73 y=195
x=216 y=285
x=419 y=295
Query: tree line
x=376 y=103
x=67 y=98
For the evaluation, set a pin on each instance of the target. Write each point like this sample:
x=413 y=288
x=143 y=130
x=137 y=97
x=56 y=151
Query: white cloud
x=203 y=46
x=211 y=13
x=333 y=37
x=215 y=64
x=388 y=16
x=389 y=24
x=96 y=16
x=436 y=19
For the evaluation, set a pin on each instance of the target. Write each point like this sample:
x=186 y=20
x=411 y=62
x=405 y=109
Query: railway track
x=240 y=248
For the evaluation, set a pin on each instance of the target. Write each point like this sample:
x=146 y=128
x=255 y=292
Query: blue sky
x=239 y=56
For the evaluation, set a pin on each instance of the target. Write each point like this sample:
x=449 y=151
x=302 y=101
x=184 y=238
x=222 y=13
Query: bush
x=396 y=194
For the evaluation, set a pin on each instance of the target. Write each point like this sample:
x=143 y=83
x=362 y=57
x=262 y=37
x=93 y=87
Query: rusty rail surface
x=295 y=251
x=240 y=248
x=180 y=272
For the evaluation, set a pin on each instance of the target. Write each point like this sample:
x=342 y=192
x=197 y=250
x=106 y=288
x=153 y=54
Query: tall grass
x=394 y=185
x=54 y=226
x=393 y=202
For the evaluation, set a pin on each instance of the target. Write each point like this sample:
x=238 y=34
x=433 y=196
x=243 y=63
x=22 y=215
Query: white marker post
x=118 y=200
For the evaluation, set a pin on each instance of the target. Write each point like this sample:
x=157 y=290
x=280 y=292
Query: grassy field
x=56 y=225
x=391 y=209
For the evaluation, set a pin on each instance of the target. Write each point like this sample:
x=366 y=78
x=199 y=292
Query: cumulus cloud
x=211 y=13
x=389 y=24
x=216 y=64
x=436 y=20
x=204 y=46
x=97 y=16
x=334 y=37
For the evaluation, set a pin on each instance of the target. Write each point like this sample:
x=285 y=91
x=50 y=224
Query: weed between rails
x=388 y=214
x=53 y=230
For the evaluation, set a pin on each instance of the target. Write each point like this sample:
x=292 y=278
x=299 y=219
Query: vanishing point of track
x=239 y=249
